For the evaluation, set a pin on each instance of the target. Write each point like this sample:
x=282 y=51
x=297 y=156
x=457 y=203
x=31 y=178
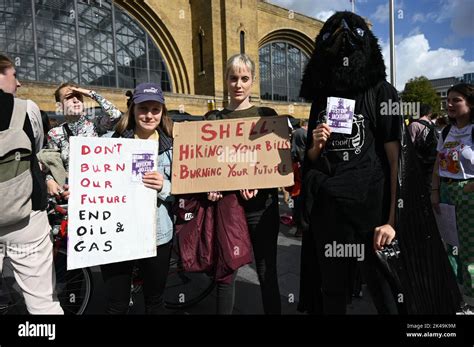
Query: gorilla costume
x=346 y=190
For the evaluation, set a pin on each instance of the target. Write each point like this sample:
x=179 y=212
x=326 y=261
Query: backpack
x=425 y=146
x=16 y=180
x=447 y=128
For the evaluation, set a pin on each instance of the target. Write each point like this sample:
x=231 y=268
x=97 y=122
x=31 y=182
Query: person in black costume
x=353 y=185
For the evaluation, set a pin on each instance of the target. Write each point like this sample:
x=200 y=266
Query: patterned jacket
x=88 y=125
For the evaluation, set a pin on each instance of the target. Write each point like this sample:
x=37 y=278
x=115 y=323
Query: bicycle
x=73 y=288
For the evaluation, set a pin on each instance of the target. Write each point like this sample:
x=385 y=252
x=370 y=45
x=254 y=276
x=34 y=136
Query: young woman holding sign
x=261 y=206
x=146 y=119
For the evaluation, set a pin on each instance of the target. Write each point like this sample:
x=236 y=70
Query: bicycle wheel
x=185 y=289
x=73 y=287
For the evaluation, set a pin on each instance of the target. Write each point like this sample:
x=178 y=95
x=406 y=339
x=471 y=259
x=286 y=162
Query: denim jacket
x=165 y=199
x=164 y=216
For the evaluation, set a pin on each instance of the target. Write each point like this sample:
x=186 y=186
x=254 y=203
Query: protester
x=261 y=206
x=350 y=177
x=79 y=122
x=24 y=227
x=441 y=122
x=360 y=188
x=425 y=138
x=298 y=143
x=453 y=175
x=47 y=126
x=10 y=84
x=146 y=119
x=298 y=149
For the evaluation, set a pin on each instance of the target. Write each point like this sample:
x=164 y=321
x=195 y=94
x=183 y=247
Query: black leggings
x=118 y=276
x=263 y=227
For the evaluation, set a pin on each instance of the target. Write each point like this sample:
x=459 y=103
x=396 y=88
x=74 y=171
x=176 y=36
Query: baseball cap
x=148 y=92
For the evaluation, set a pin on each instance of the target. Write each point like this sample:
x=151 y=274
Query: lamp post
x=392 y=44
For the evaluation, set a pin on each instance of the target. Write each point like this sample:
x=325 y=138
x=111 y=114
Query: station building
x=111 y=46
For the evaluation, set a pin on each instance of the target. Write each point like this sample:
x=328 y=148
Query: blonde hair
x=240 y=60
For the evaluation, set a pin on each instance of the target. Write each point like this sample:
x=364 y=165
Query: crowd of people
x=344 y=195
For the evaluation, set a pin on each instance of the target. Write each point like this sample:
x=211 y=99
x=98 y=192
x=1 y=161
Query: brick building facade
x=195 y=38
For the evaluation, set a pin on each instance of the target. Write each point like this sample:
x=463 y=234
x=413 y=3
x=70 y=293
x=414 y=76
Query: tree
x=419 y=89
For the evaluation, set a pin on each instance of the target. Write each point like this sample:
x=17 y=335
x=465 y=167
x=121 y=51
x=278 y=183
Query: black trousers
x=264 y=226
x=118 y=276
x=338 y=222
x=338 y=278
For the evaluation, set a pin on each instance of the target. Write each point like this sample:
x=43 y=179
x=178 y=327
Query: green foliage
x=419 y=89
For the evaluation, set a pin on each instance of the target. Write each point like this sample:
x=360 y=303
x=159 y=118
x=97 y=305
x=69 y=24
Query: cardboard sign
x=223 y=155
x=112 y=215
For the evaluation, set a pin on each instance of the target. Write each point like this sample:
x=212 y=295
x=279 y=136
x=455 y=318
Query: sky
x=433 y=38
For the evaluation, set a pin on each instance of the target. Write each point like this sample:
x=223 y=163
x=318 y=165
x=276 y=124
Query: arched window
x=90 y=42
x=281 y=69
x=201 y=50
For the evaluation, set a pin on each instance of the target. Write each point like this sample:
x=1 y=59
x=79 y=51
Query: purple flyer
x=141 y=163
x=340 y=113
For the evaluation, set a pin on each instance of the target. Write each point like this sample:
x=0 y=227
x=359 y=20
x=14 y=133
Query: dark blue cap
x=148 y=92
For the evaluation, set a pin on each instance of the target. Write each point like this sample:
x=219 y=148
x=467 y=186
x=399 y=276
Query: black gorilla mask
x=343 y=40
x=346 y=58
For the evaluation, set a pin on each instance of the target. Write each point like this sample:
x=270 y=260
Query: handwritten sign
x=340 y=113
x=112 y=215
x=248 y=153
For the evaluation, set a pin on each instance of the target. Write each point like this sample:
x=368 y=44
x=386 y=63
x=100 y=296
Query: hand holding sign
x=321 y=135
x=153 y=180
x=214 y=196
x=248 y=194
